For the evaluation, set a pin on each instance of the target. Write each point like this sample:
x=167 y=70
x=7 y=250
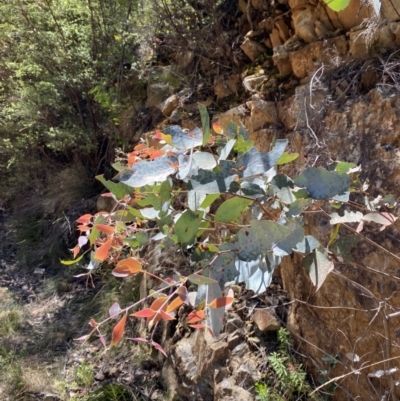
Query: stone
x=253 y=83
x=262 y=113
x=328 y=52
x=169 y=105
x=184 y=58
x=226 y=86
x=352 y=16
x=227 y=390
x=389 y=8
x=51 y=397
x=282 y=63
x=275 y=38
x=156 y=93
x=266 y=320
x=358 y=46
x=252 y=49
x=283 y=30
x=303 y=23
x=238 y=114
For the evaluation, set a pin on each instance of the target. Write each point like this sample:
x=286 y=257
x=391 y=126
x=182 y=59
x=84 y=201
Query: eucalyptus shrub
x=212 y=192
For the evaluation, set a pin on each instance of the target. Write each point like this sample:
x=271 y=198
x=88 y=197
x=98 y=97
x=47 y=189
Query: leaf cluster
x=211 y=192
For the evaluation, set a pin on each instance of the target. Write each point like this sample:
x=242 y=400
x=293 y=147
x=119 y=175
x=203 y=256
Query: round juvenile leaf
x=323 y=184
x=231 y=209
x=337 y=5
x=187 y=226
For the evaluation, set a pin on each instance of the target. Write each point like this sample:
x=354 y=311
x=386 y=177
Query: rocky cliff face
x=340 y=100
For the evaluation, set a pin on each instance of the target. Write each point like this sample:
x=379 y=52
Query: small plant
x=212 y=192
x=84 y=375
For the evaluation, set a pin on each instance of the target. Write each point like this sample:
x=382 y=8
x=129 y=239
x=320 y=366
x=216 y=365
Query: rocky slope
x=332 y=88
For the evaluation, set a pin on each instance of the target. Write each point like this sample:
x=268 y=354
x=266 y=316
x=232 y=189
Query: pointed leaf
x=176 y=303
x=165 y=315
x=198 y=279
x=287 y=158
x=84 y=219
x=221 y=302
x=83 y=338
x=117 y=189
x=232 y=209
x=195 y=316
x=105 y=228
x=103 y=251
x=205 y=123
x=198 y=326
x=384 y=218
x=138 y=339
x=127 y=267
x=93 y=323
x=158 y=347
x=348 y=217
x=318 y=265
x=147 y=313
x=159 y=303
x=71 y=262
x=118 y=331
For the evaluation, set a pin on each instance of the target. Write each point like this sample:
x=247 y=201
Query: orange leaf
x=144 y=313
x=76 y=250
x=217 y=128
x=118 y=331
x=84 y=219
x=82 y=228
x=127 y=267
x=132 y=159
x=105 y=228
x=158 y=303
x=221 y=302
x=102 y=252
x=195 y=316
x=156 y=154
x=139 y=147
x=176 y=303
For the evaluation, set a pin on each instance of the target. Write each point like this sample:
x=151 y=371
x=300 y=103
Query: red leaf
x=195 y=316
x=183 y=294
x=157 y=154
x=166 y=316
x=147 y=312
x=103 y=341
x=82 y=228
x=102 y=252
x=158 y=347
x=176 y=303
x=83 y=338
x=84 y=219
x=197 y=326
x=118 y=331
x=221 y=302
x=93 y=323
x=127 y=267
x=138 y=339
x=105 y=228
